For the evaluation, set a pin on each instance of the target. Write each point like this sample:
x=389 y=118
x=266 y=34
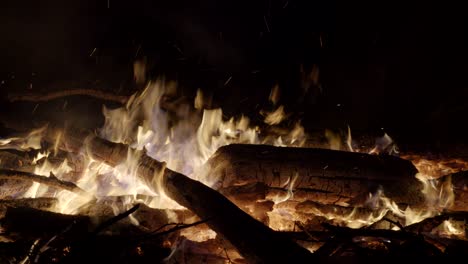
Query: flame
x=185 y=142
x=289 y=194
x=384 y=144
x=31 y=141
x=275 y=117
x=439 y=193
x=184 y=145
x=435 y=168
x=451 y=229
x=349 y=140
x=274 y=94
x=334 y=140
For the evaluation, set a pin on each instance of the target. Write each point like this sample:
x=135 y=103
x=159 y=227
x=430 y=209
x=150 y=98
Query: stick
x=50 y=181
x=115 y=219
x=37 y=97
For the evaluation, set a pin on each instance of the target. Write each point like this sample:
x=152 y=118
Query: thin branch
x=50 y=181
x=396 y=223
x=174 y=229
x=37 y=97
x=115 y=219
x=301 y=227
x=180 y=227
x=386 y=219
x=227 y=255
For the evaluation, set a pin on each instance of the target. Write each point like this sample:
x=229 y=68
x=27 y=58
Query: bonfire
x=166 y=182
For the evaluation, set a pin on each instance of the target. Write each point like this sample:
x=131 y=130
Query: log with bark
x=49 y=181
x=319 y=175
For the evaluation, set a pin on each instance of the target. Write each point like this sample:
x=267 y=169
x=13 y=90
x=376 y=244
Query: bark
x=254 y=241
x=319 y=175
x=51 y=181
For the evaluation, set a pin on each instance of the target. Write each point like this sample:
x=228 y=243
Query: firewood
x=320 y=175
x=254 y=241
x=42 y=203
x=50 y=181
x=34 y=223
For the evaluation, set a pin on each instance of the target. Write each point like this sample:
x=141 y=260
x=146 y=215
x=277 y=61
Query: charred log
x=319 y=175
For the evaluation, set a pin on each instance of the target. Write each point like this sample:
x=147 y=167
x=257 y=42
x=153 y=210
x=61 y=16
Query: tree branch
x=42 y=97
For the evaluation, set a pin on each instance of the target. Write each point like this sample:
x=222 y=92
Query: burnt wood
x=320 y=175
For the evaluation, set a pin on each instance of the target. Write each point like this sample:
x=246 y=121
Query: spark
x=92 y=52
x=227 y=81
x=138 y=50
x=34 y=110
x=266 y=23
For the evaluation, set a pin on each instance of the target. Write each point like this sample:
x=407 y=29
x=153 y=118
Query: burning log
x=256 y=242
x=320 y=175
x=50 y=181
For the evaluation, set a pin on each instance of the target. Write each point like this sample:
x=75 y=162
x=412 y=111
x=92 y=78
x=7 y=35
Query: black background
x=384 y=64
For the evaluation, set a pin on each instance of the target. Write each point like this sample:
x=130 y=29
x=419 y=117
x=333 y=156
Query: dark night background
x=390 y=64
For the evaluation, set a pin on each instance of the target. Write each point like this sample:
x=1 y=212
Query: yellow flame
x=185 y=143
x=275 y=117
x=334 y=140
x=452 y=228
x=290 y=186
x=275 y=94
x=30 y=141
x=349 y=140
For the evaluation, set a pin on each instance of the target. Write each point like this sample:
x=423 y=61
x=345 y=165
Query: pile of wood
x=312 y=191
